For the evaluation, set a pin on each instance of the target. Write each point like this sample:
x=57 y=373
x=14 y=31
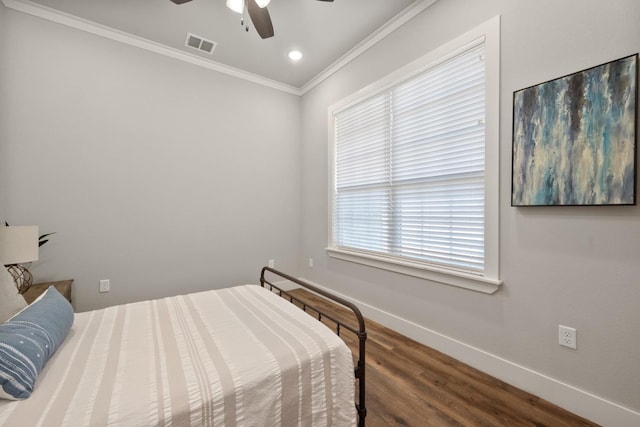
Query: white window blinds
x=410 y=168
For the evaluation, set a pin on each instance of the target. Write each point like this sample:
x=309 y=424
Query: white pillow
x=11 y=301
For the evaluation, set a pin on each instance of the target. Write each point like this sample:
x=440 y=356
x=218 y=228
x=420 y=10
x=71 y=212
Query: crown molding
x=49 y=14
x=393 y=24
x=53 y=15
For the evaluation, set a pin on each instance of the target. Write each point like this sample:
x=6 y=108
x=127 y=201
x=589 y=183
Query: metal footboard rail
x=360 y=332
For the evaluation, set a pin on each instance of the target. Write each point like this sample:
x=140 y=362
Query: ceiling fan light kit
x=257 y=12
x=236 y=5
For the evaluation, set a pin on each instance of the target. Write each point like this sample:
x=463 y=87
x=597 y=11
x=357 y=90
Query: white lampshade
x=262 y=3
x=18 y=244
x=236 y=5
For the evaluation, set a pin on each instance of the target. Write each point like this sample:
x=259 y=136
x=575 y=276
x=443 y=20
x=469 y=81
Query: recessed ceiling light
x=295 y=55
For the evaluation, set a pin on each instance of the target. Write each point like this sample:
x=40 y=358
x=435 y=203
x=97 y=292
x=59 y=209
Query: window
x=412 y=185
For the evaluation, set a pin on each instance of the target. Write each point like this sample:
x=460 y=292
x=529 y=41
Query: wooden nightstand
x=63 y=286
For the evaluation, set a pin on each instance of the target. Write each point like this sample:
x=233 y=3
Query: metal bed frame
x=361 y=333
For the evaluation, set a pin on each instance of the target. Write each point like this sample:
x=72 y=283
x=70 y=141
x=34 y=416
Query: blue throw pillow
x=29 y=339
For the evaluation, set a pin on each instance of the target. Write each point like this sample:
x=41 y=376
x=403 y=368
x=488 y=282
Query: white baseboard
x=573 y=399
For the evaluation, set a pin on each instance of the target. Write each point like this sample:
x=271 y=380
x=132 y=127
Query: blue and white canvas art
x=574 y=138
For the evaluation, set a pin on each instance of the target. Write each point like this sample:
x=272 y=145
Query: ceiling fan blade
x=180 y=1
x=260 y=18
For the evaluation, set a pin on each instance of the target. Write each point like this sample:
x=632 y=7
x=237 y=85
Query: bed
x=241 y=356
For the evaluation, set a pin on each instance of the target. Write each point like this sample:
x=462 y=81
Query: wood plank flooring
x=409 y=384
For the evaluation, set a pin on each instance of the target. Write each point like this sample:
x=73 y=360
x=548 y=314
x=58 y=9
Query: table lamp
x=19 y=244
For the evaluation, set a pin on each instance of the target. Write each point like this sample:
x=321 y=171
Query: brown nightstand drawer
x=63 y=286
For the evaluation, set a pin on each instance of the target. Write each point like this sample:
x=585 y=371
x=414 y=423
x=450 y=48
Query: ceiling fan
x=257 y=12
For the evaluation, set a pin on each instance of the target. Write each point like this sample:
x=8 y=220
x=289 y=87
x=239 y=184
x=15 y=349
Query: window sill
x=434 y=274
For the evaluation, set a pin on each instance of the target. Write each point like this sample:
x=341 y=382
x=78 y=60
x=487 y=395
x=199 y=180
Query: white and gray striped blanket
x=240 y=356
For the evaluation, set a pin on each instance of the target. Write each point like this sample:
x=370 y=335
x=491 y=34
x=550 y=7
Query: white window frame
x=488 y=281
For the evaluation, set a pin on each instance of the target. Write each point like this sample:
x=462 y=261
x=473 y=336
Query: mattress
x=239 y=356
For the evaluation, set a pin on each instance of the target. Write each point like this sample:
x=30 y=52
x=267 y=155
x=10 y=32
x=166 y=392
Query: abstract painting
x=574 y=138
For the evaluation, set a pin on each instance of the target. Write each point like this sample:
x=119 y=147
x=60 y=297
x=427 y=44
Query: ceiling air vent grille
x=197 y=42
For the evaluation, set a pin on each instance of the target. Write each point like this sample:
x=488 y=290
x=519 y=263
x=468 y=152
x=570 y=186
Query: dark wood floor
x=409 y=384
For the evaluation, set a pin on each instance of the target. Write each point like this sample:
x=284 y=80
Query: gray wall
x=3 y=42
x=576 y=266
x=161 y=176
x=155 y=175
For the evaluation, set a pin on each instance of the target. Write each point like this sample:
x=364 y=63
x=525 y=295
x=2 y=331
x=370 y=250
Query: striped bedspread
x=240 y=356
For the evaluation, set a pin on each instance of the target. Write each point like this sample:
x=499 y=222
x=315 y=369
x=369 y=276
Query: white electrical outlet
x=272 y=263
x=567 y=336
x=310 y=262
x=105 y=285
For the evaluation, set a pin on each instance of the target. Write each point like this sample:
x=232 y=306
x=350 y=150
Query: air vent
x=197 y=42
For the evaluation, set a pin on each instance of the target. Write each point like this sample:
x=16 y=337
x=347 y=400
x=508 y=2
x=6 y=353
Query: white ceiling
x=323 y=31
